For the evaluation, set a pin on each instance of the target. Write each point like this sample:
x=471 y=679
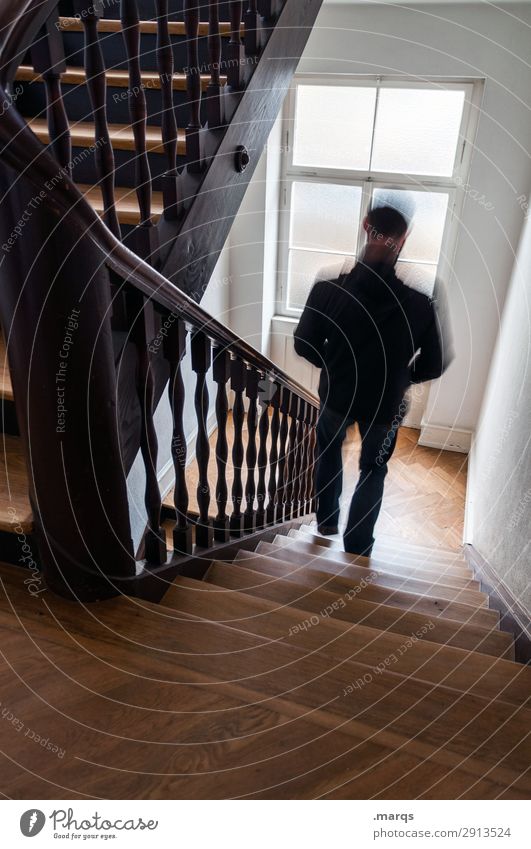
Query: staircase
x=235 y=653
x=290 y=670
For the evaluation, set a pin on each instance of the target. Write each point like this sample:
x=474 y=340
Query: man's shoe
x=328 y=530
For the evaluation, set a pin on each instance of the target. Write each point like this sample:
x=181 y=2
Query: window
x=352 y=142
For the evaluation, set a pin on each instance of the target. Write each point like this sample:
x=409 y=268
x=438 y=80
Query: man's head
x=386 y=230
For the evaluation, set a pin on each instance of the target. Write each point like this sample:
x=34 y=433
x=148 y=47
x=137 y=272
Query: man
x=371 y=336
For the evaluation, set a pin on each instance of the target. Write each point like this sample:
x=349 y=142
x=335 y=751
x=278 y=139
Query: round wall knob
x=242 y=158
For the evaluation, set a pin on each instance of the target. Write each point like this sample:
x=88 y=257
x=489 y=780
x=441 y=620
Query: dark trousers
x=377 y=445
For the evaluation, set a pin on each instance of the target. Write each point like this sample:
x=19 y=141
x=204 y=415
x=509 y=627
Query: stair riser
x=115 y=56
x=77 y=103
x=85 y=170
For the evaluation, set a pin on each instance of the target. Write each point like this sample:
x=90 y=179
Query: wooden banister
x=148 y=307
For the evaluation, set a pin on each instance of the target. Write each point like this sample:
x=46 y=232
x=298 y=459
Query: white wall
x=499 y=489
x=448 y=40
x=253 y=250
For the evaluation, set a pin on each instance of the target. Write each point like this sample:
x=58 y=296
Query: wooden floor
x=424 y=501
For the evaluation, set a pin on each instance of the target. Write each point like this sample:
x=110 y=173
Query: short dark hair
x=387 y=221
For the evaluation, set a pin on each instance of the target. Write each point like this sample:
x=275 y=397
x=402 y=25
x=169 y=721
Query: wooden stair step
x=395 y=710
x=455 y=668
x=311 y=576
x=386 y=564
x=264 y=598
x=413 y=554
x=426 y=558
x=15 y=509
x=270 y=748
x=122 y=137
x=441 y=551
x=403 y=544
x=6 y=388
x=326 y=563
x=108 y=25
x=296 y=626
x=126 y=203
x=116 y=78
x=214 y=724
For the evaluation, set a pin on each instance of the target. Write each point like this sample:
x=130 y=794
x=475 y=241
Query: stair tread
x=439 y=573
x=109 y=25
x=285 y=598
x=390 y=580
x=199 y=645
x=402 y=543
x=116 y=78
x=269 y=620
x=122 y=136
x=15 y=509
x=311 y=576
x=400 y=548
x=6 y=388
x=126 y=203
x=267 y=731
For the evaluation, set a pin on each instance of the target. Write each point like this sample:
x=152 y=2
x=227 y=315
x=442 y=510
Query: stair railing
x=79 y=267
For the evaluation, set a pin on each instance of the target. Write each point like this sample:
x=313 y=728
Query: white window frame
x=376 y=179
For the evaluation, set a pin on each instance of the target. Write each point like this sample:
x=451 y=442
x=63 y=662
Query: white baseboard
x=445 y=438
x=166 y=475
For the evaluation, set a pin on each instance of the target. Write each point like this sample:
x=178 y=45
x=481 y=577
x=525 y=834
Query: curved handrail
x=26 y=155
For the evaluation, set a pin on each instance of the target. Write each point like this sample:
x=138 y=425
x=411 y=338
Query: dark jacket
x=363 y=329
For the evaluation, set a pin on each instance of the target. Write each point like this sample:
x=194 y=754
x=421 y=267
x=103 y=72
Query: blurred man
x=371 y=336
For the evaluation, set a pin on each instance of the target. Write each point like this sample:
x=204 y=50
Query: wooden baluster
x=313 y=449
x=273 y=458
x=307 y=460
x=221 y=376
x=144 y=331
x=174 y=352
x=249 y=519
x=215 y=109
x=235 y=49
x=201 y=361
x=237 y=372
x=90 y=12
x=263 y=431
x=165 y=64
x=47 y=56
x=194 y=152
x=253 y=29
x=292 y=457
x=144 y=234
x=282 y=464
x=298 y=500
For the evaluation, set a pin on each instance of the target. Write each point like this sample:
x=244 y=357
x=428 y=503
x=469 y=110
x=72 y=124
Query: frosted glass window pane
x=417 y=131
x=418 y=276
x=325 y=216
x=333 y=126
x=428 y=211
x=303 y=268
